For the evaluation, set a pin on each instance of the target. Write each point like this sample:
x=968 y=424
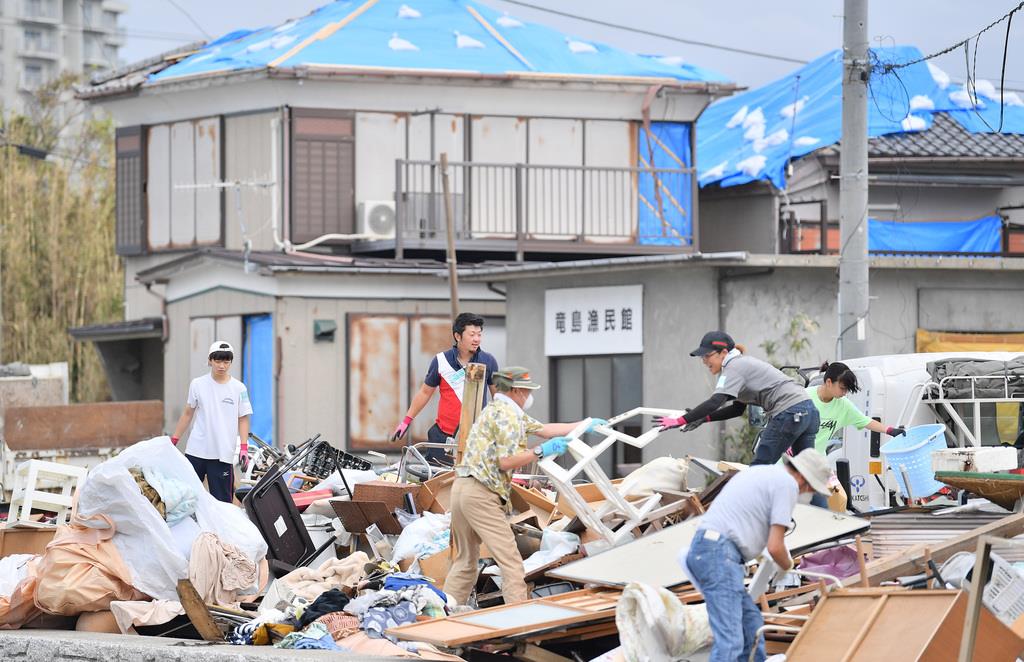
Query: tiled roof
x=946 y=138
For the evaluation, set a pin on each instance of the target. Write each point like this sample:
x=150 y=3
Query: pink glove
x=402 y=428
x=175 y=440
x=243 y=456
x=669 y=422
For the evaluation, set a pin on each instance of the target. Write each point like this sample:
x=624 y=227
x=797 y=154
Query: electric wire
x=659 y=35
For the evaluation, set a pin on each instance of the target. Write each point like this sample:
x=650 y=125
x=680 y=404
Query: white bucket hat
x=813 y=466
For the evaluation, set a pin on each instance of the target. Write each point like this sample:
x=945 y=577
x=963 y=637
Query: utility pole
x=853 y=184
x=453 y=271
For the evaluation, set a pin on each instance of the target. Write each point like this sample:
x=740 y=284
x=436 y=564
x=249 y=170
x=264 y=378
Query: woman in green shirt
x=836 y=411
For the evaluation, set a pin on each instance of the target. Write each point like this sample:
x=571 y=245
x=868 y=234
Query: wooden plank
x=197 y=612
x=472 y=403
x=908 y=562
x=92 y=425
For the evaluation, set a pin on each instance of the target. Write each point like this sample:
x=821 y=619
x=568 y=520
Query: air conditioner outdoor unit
x=376 y=219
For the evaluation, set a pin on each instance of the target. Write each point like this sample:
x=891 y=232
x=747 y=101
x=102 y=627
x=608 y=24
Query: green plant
x=58 y=268
x=738 y=441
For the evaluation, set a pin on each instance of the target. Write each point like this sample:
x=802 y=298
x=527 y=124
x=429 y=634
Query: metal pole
x=453 y=276
x=853 y=184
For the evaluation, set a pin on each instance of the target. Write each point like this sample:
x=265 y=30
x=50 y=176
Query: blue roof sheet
x=752 y=136
x=428 y=35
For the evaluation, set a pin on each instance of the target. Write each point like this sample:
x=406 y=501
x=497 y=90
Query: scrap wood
x=1002 y=489
x=910 y=561
x=197 y=612
x=472 y=403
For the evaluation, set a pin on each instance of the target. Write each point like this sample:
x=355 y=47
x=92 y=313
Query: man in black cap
x=742 y=380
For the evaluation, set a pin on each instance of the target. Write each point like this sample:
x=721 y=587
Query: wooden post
x=472 y=403
x=197 y=612
x=453 y=276
x=862 y=563
x=982 y=568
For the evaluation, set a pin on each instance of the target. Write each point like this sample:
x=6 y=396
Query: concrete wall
x=759 y=306
x=679 y=306
x=745 y=219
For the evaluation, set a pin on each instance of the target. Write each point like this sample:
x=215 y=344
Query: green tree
x=58 y=268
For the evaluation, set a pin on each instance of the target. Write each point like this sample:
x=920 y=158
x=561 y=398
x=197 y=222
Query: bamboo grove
x=58 y=268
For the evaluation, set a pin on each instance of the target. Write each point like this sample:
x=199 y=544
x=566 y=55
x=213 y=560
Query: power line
x=189 y=17
x=659 y=35
x=962 y=43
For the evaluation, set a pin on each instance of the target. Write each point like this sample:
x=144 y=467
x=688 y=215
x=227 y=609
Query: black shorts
x=220 y=476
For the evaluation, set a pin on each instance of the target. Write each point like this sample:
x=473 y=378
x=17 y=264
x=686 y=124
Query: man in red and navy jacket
x=447 y=371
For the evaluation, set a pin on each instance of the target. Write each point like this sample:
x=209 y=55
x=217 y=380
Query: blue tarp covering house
x=752 y=136
x=434 y=35
x=983 y=235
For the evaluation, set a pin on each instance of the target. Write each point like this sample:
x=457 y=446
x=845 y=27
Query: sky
x=798 y=29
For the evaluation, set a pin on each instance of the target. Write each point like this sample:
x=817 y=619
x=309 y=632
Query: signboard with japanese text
x=594 y=320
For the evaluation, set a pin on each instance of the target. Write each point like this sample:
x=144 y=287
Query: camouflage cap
x=514 y=377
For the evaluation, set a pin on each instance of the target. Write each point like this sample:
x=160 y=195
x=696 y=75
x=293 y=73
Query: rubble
x=599 y=556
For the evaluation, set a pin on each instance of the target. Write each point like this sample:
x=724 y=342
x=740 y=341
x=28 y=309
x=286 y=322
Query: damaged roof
x=443 y=37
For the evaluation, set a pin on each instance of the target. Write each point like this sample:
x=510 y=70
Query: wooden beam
x=531 y=653
x=909 y=561
x=472 y=403
x=92 y=425
x=197 y=612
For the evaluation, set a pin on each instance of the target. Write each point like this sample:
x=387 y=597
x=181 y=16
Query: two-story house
x=946 y=210
x=283 y=189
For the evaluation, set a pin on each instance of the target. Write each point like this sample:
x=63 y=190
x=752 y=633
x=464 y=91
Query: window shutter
x=322 y=174
x=130 y=195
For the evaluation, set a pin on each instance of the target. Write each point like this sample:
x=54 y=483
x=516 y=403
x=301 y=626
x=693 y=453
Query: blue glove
x=554 y=446
x=594 y=422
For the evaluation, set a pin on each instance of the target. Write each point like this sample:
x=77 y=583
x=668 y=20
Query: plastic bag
x=838 y=561
x=82 y=571
x=553 y=546
x=661 y=473
x=13 y=569
x=654 y=625
x=418 y=533
x=143 y=537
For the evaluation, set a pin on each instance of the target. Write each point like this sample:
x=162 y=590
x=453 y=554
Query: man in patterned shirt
x=496 y=446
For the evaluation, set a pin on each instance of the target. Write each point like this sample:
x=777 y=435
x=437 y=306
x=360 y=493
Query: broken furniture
x=886 y=624
x=652 y=559
x=630 y=514
x=31 y=476
x=269 y=505
x=1006 y=490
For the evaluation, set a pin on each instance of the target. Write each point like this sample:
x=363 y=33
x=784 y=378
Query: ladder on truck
x=937 y=396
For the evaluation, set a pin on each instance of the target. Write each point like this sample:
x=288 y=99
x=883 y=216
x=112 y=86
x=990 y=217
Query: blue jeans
x=795 y=427
x=717 y=566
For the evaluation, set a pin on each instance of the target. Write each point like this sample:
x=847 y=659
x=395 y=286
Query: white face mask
x=529 y=402
x=805 y=497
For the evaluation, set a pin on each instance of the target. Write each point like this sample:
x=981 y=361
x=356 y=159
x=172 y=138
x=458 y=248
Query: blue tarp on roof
x=752 y=136
x=983 y=235
x=439 y=35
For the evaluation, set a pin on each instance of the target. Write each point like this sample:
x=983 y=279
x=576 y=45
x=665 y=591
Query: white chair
x=33 y=474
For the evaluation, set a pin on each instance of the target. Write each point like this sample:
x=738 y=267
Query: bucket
x=913 y=452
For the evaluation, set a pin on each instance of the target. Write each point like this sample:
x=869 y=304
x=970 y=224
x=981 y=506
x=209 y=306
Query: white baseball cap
x=221 y=346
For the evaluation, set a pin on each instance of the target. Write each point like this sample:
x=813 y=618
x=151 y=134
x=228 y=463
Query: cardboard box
x=435 y=494
x=534 y=501
x=25 y=540
x=392 y=495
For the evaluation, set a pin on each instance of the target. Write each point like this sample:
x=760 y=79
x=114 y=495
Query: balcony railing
x=548 y=208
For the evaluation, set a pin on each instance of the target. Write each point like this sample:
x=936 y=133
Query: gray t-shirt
x=754 y=382
x=749 y=504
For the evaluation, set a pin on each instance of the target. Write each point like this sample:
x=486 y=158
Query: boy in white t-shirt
x=222 y=403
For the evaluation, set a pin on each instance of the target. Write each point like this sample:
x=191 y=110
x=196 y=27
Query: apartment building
x=40 y=39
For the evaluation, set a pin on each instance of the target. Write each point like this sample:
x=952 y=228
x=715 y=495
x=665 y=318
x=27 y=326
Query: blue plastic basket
x=913 y=451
